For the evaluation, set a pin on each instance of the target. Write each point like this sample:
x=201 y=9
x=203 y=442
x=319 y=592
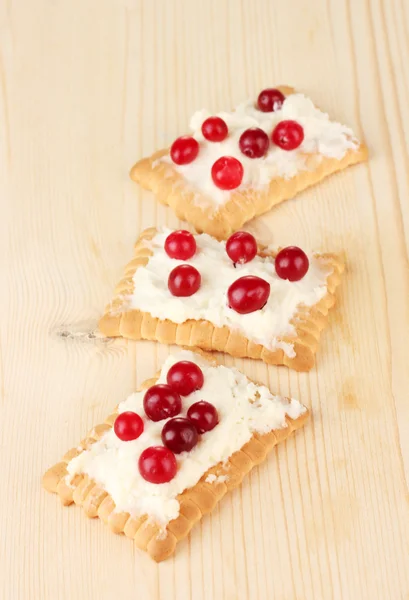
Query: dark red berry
x=185 y=377
x=157 y=464
x=184 y=280
x=203 y=415
x=241 y=247
x=288 y=135
x=291 y=263
x=128 y=426
x=214 y=129
x=248 y=294
x=180 y=244
x=179 y=435
x=227 y=173
x=184 y=150
x=254 y=143
x=161 y=402
x=270 y=100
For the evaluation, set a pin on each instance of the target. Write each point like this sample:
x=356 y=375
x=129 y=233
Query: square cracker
x=195 y=502
x=171 y=189
x=120 y=320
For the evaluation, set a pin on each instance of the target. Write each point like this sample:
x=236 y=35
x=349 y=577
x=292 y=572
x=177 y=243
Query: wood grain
x=88 y=87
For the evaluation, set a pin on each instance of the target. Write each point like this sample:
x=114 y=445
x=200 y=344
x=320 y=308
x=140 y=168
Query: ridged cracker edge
x=194 y=502
x=119 y=320
x=170 y=189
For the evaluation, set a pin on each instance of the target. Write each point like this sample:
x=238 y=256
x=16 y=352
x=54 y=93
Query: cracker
x=194 y=502
x=120 y=320
x=171 y=189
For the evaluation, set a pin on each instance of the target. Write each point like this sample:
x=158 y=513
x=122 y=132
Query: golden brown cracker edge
x=195 y=502
x=120 y=320
x=170 y=189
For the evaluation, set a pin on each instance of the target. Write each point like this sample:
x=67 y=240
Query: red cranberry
x=184 y=280
x=214 y=129
x=247 y=294
x=288 y=135
x=227 y=173
x=254 y=142
x=161 y=402
x=157 y=464
x=128 y=426
x=179 y=435
x=180 y=244
x=184 y=150
x=291 y=263
x=270 y=100
x=203 y=415
x=185 y=377
x=241 y=247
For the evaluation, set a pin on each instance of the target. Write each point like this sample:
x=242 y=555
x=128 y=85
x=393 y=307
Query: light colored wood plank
x=85 y=89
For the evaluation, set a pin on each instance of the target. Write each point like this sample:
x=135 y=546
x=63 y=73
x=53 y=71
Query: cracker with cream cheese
x=285 y=332
x=101 y=473
x=327 y=147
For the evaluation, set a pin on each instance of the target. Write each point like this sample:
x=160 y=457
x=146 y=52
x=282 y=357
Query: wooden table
x=85 y=89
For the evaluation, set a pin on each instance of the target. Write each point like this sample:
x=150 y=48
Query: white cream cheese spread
x=243 y=407
x=217 y=272
x=322 y=137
